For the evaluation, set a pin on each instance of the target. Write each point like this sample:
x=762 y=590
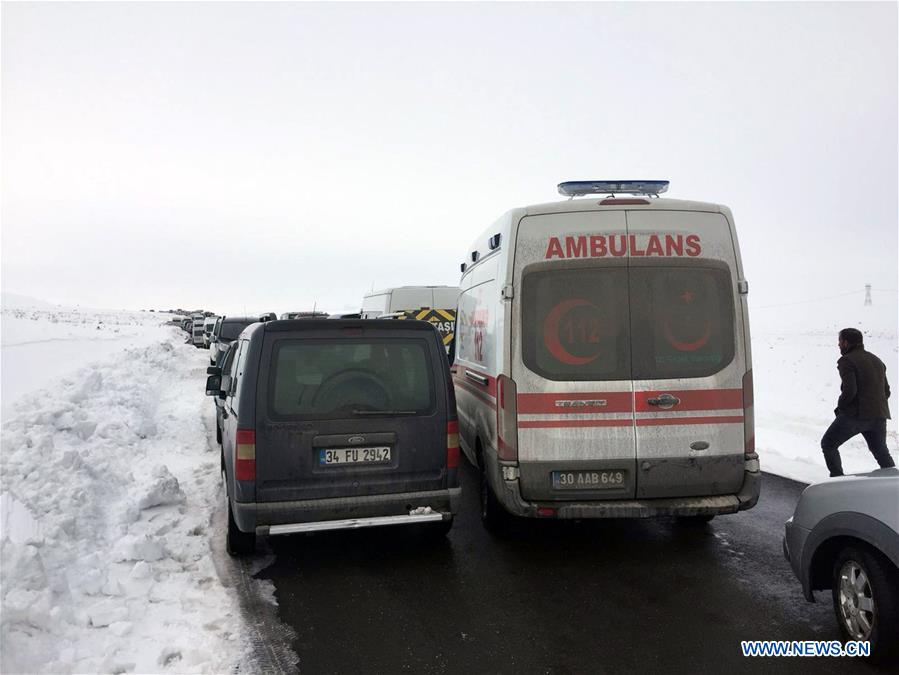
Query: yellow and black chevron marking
x=443 y=319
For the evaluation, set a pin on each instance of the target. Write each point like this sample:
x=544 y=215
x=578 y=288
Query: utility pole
x=868 y=302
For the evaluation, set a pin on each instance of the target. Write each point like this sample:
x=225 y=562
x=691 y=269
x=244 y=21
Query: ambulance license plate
x=588 y=480
x=343 y=456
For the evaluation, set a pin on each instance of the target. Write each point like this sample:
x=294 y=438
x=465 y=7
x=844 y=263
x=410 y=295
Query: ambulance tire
x=495 y=518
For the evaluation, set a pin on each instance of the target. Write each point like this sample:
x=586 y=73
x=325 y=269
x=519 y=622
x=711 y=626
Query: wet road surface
x=554 y=597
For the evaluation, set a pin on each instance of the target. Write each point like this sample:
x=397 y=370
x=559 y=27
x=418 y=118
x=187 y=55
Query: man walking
x=862 y=407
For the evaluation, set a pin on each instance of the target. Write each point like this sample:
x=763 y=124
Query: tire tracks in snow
x=267 y=637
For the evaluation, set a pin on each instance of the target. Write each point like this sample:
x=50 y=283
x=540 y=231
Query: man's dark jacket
x=864 y=390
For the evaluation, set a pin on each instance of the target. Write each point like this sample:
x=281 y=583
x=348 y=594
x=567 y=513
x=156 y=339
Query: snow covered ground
x=109 y=488
x=110 y=493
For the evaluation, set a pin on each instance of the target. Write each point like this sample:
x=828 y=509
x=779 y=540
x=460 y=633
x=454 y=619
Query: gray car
x=844 y=537
x=331 y=425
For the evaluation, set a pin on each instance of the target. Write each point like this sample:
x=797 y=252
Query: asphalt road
x=556 y=597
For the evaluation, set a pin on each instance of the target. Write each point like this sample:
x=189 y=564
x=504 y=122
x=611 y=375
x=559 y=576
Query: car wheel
x=494 y=517
x=238 y=543
x=218 y=434
x=866 y=600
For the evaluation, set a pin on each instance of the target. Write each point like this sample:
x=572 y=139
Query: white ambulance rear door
x=687 y=352
x=570 y=357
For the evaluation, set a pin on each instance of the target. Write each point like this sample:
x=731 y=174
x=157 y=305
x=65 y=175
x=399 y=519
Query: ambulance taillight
x=506 y=419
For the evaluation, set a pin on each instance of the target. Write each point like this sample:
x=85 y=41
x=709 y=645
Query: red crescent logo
x=688 y=346
x=551 y=332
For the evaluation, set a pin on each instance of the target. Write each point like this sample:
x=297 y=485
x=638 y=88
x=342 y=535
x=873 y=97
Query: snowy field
x=41 y=341
x=111 y=513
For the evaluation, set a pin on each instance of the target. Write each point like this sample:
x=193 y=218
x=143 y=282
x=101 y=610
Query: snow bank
x=108 y=487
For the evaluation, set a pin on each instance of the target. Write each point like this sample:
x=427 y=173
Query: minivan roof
x=240 y=319
x=391 y=325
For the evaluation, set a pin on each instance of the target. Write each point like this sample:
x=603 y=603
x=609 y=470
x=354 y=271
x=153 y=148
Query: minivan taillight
x=452 y=445
x=748 y=415
x=245 y=455
x=506 y=418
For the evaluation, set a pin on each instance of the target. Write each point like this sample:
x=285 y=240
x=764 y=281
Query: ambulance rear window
x=616 y=323
x=575 y=324
x=682 y=322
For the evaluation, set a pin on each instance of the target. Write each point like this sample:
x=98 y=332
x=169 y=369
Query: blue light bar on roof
x=578 y=188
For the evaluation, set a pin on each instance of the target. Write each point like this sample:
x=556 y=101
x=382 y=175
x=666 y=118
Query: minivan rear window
x=616 y=323
x=340 y=379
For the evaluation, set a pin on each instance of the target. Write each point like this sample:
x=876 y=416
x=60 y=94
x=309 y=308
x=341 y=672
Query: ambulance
x=602 y=363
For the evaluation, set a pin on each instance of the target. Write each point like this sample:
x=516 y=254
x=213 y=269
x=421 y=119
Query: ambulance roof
x=618 y=203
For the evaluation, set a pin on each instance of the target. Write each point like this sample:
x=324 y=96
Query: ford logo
x=356 y=439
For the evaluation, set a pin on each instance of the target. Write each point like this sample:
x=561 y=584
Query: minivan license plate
x=588 y=480
x=340 y=456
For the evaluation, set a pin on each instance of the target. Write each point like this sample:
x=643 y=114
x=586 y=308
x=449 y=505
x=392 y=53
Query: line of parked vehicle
x=598 y=366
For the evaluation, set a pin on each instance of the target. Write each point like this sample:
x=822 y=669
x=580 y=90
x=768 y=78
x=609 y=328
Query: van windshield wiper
x=383 y=412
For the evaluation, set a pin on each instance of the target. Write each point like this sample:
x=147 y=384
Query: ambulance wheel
x=238 y=543
x=494 y=517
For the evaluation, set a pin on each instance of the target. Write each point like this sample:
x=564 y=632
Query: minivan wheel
x=238 y=543
x=493 y=515
x=865 y=593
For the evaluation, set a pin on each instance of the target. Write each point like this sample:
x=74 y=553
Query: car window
x=231 y=329
x=338 y=379
x=232 y=369
x=240 y=363
x=683 y=321
x=228 y=359
x=574 y=324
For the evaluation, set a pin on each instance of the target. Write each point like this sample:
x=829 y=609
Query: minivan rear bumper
x=509 y=493
x=354 y=511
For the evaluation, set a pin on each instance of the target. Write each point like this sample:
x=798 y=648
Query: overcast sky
x=268 y=156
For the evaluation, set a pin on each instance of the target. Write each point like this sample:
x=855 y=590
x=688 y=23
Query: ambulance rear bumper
x=509 y=494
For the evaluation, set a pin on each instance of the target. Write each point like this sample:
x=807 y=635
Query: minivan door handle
x=664 y=401
x=480 y=379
